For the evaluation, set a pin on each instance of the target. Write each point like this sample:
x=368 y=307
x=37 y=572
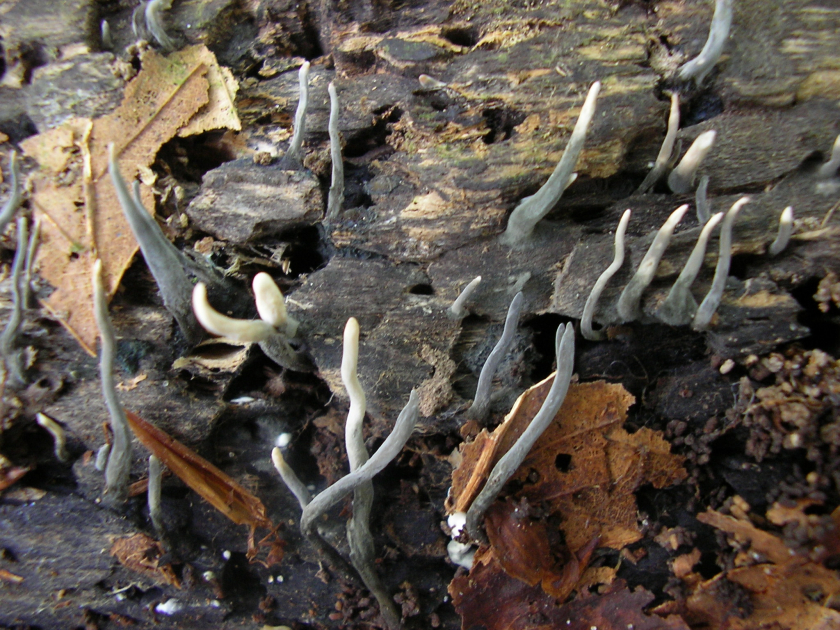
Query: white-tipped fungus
x=154 y=23
x=628 y=302
x=709 y=305
x=680 y=306
x=153 y=494
x=292 y=481
x=241 y=330
x=532 y=209
x=784 y=233
x=700 y=66
x=271 y=305
x=481 y=404
x=457 y=310
x=592 y=301
x=57 y=432
x=564 y=345
x=293 y=154
x=829 y=169
x=682 y=177
x=666 y=151
x=336 y=194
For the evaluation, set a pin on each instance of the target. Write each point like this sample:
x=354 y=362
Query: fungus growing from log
x=665 y=158
x=14 y=358
x=564 y=345
x=293 y=154
x=682 y=177
x=336 y=194
x=57 y=432
x=481 y=404
x=457 y=310
x=628 y=302
x=702 y=64
x=119 y=459
x=592 y=301
x=167 y=264
x=15 y=194
x=784 y=233
x=680 y=306
x=709 y=305
x=534 y=208
x=272 y=331
x=829 y=169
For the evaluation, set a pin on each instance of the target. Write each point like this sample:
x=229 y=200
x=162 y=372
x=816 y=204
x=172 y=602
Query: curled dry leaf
x=769 y=587
x=142 y=554
x=72 y=190
x=585 y=466
x=214 y=486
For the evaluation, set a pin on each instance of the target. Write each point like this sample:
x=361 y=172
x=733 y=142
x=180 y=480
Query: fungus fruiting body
x=458 y=310
x=293 y=154
x=681 y=179
x=784 y=233
x=666 y=152
x=703 y=63
x=336 y=194
x=534 y=208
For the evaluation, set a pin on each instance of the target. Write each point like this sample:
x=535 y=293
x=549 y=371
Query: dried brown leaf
x=142 y=554
x=214 y=486
x=82 y=216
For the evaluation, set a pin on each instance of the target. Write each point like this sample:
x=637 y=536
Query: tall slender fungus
x=680 y=306
x=481 y=403
x=534 y=208
x=682 y=177
x=293 y=154
x=829 y=169
x=784 y=234
x=119 y=459
x=564 y=345
x=702 y=64
x=701 y=199
x=336 y=194
x=458 y=310
x=709 y=305
x=601 y=282
x=628 y=301
x=666 y=151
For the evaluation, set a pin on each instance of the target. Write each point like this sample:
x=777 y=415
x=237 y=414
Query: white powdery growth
x=681 y=178
x=702 y=64
x=601 y=283
x=628 y=302
x=829 y=169
x=710 y=303
x=784 y=234
x=300 y=114
x=532 y=209
x=680 y=306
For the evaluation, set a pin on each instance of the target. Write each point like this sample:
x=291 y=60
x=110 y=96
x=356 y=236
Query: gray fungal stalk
x=681 y=179
x=663 y=160
x=829 y=169
x=534 y=208
x=458 y=310
x=628 y=303
x=703 y=63
x=592 y=301
x=710 y=303
x=293 y=154
x=564 y=344
x=15 y=195
x=680 y=306
x=119 y=459
x=336 y=194
x=481 y=404
x=784 y=233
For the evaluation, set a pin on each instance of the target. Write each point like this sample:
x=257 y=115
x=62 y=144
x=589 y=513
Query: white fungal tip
x=241 y=330
x=270 y=303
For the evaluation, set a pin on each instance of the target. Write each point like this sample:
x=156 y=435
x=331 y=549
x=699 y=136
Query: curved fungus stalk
x=785 y=232
x=564 y=344
x=682 y=177
x=534 y=208
x=703 y=63
x=629 y=301
x=663 y=160
x=710 y=303
x=592 y=301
